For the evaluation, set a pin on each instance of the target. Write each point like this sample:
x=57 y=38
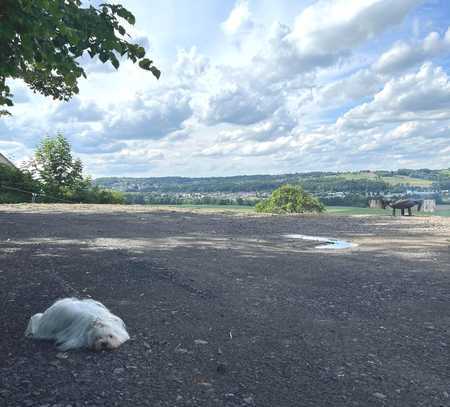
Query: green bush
x=290 y=199
x=12 y=181
x=95 y=195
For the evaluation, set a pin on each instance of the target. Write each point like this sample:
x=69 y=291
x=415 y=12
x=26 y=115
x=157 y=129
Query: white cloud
x=361 y=84
x=331 y=26
x=240 y=19
x=189 y=65
x=78 y=111
x=424 y=95
x=324 y=34
x=240 y=105
x=149 y=117
x=403 y=56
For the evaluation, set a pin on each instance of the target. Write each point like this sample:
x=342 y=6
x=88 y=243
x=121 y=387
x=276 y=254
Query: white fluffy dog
x=75 y=323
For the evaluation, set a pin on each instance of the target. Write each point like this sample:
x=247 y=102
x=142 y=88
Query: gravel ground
x=224 y=311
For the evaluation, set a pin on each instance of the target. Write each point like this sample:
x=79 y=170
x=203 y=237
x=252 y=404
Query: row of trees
x=53 y=175
x=154 y=198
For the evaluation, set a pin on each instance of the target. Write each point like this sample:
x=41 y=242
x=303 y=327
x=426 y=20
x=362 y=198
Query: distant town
x=333 y=188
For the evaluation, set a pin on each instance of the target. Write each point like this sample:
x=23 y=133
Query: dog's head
x=107 y=335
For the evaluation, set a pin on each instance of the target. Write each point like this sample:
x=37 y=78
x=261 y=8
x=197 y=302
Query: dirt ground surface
x=224 y=311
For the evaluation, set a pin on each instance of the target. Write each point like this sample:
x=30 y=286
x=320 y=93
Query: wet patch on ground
x=328 y=243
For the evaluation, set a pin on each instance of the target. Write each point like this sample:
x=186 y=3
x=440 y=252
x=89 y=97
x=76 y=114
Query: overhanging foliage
x=40 y=41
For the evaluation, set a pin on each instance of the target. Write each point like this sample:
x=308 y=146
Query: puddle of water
x=330 y=243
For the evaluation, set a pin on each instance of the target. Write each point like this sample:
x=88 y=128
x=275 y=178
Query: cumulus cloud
x=343 y=24
x=423 y=95
x=246 y=148
x=317 y=41
x=403 y=56
x=120 y=163
x=240 y=105
x=408 y=117
x=361 y=84
x=149 y=117
x=288 y=55
x=76 y=110
x=190 y=65
x=240 y=19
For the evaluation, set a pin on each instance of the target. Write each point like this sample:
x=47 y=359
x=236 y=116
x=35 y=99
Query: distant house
x=4 y=160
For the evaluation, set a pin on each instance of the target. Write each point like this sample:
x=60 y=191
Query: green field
x=443 y=210
x=394 y=180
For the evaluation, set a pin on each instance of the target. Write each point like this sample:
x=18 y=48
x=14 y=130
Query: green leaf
x=155 y=71
x=114 y=61
x=140 y=52
x=103 y=57
x=145 y=63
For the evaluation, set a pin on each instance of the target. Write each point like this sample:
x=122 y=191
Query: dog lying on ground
x=74 y=323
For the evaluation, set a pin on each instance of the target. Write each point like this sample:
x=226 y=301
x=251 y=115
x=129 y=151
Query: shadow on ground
x=224 y=312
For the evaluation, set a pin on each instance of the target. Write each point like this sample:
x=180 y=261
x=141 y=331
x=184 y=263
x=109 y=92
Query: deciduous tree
x=290 y=199
x=56 y=169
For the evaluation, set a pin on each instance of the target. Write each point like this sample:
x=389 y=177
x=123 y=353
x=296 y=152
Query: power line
x=34 y=194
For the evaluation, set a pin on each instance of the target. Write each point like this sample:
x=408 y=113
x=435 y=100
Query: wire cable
x=35 y=193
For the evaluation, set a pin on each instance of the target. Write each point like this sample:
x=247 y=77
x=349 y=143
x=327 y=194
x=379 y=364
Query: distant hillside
x=317 y=182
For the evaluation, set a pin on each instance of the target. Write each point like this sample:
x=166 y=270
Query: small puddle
x=329 y=243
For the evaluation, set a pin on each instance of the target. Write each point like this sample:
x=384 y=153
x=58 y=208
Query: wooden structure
x=375 y=204
x=429 y=205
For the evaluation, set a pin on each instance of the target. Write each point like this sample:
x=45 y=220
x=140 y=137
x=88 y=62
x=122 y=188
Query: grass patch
x=443 y=210
x=395 y=180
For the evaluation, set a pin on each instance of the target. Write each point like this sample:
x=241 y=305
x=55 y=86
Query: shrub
x=96 y=195
x=12 y=180
x=290 y=199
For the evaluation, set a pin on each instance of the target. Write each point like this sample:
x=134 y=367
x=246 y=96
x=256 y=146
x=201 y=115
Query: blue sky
x=259 y=87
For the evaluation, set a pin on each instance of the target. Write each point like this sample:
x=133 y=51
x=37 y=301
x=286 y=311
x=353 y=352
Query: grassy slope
x=396 y=180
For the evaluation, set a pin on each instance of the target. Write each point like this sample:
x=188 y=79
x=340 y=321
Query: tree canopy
x=40 y=41
x=54 y=166
x=290 y=199
x=60 y=176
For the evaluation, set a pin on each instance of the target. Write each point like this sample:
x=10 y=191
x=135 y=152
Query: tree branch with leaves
x=40 y=41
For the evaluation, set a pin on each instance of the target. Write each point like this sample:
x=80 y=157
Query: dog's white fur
x=74 y=323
